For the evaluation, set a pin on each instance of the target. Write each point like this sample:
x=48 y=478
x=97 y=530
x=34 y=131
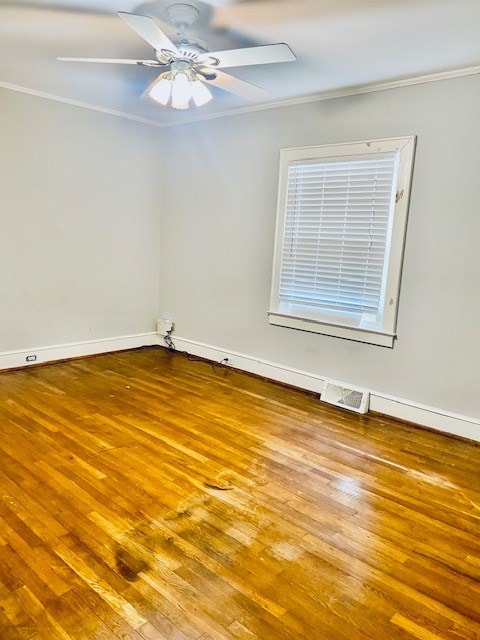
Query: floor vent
x=352 y=398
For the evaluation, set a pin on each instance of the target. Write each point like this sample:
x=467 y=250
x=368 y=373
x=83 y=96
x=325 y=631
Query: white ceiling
x=340 y=44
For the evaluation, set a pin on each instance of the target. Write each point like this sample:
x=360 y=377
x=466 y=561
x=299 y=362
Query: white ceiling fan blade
x=148 y=63
x=239 y=87
x=149 y=31
x=252 y=55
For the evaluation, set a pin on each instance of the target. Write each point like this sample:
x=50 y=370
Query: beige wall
x=217 y=239
x=79 y=240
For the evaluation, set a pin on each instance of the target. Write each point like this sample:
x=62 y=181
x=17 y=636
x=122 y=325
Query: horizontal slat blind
x=337 y=223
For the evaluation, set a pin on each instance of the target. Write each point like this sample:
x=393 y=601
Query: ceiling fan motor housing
x=190 y=47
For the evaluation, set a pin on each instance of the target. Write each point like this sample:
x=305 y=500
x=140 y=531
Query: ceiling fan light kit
x=179 y=86
x=180 y=89
x=188 y=64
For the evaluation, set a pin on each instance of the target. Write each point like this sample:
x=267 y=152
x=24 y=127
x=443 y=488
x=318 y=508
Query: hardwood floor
x=144 y=495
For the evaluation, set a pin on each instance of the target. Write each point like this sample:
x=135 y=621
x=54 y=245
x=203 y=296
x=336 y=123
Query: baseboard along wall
x=404 y=409
x=39 y=355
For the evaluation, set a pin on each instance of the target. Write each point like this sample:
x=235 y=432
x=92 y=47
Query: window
x=341 y=222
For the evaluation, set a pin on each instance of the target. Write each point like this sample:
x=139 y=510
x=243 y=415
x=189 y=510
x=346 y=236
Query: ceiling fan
x=188 y=64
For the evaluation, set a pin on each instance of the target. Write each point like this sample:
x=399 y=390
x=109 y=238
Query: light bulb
x=161 y=91
x=181 y=91
x=200 y=94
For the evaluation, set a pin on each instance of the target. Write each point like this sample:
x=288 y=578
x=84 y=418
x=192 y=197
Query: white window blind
x=336 y=234
x=341 y=223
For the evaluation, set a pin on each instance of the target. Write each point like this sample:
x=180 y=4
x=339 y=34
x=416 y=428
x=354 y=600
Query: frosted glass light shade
x=181 y=91
x=161 y=91
x=201 y=95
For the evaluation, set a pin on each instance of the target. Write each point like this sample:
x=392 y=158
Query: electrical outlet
x=164 y=325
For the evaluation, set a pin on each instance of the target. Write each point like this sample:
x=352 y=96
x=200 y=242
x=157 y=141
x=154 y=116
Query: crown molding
x=78 y=103
x=338 y=93
x=318 y=97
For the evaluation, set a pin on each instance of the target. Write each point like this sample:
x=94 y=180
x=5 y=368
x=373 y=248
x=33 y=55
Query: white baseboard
x=434 y=418
x=439 y=419
x=260 y=367
x=14 y=359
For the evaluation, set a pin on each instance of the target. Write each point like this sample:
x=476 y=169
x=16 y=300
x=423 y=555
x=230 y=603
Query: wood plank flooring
x=147 y=496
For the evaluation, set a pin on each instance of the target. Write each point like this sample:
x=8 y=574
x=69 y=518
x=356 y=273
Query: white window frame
x=355 y=327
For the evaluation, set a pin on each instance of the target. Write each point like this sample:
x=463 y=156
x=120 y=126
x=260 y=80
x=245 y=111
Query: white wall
x=79 y=239
x=217 y=239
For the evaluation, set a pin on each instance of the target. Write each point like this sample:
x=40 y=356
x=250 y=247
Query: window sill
x=335 y=330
